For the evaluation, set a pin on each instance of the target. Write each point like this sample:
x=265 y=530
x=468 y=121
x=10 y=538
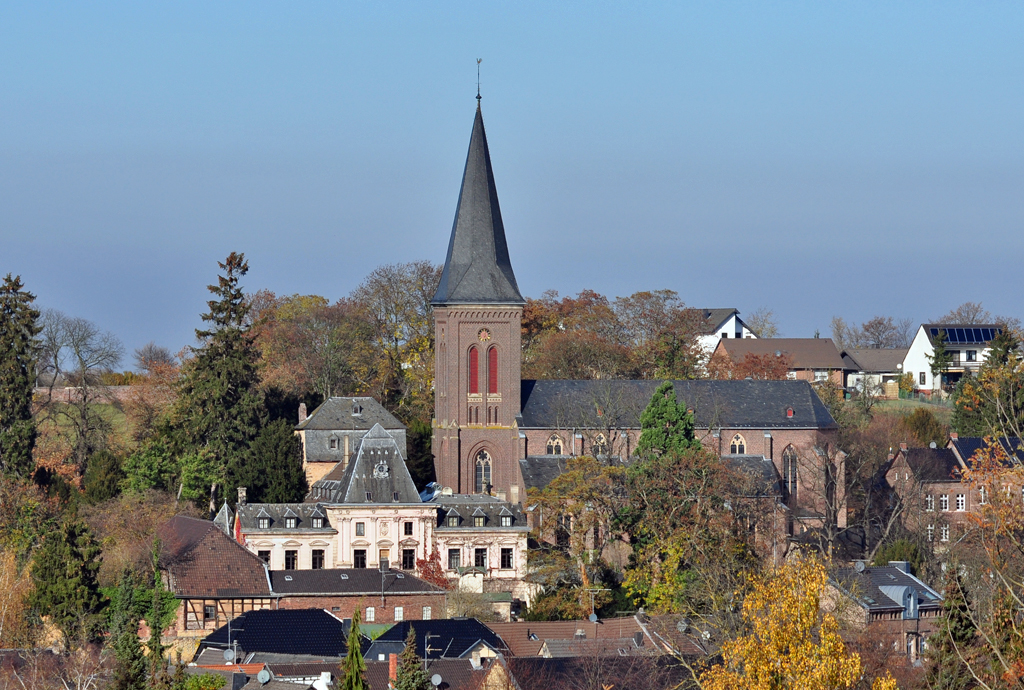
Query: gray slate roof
x=875 y=360
x=344 y=414
x=378 y=470
x=250 y=513
x=478 y=269
x=933 y=464
x=756 y=475
x=549 y=404
x=468 y=506
x=967 y=446
x=347 y=582
x=716 y=317
x=540 y=470
x=874 y=588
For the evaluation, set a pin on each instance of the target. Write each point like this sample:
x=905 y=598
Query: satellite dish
x=859 y=566
x=229 y=655
x=593 y=618
x=435 y=679
x=932 y=445
x=263 y=676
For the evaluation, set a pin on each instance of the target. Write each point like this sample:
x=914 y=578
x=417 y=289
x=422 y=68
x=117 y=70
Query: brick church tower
x=477 y=316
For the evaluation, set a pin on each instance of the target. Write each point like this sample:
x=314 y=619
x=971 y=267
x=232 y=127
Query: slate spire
x=477 y=269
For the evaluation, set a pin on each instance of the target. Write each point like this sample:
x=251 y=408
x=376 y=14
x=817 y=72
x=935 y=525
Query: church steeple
x=477 y=269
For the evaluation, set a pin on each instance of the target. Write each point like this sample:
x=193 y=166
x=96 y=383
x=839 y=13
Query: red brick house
x=810 y=359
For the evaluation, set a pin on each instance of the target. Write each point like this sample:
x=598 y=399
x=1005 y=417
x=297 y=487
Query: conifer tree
x=219 y=408
x=953 y=642
x=103 y=477
x=353 y=668
x=18 y=329
x=411 y=675
x=272 y=470
x=666 y=426
x=64 y=573
x=155 y=619
x=130 y=666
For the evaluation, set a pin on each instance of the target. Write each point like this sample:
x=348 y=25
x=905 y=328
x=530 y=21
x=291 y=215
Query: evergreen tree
x=421 y=460
x=18 y=329
x=272 y=471
x=64 y=573
x=411 y=675
x=156 y=617
x=353 y=668
x=219 y=407
x=666 y=426
x=103 y=477
x=953 y=641
x=940 y=359
x=130 y=666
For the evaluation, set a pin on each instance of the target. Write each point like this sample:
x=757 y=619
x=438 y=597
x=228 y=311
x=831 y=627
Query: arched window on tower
x=492 y=370
x=554 y=445
x=474 y=371
x=483 y=472
x=738 y=445
x=600 y=445
x=789 y=464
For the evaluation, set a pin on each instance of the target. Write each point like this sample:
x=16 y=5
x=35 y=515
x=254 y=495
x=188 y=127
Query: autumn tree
x=219 y=407
x=766 y=367
x=18 y=329
x=993 y=402
x=431 y=570
x=790 y=642
x=762 y=322
x=15 y=585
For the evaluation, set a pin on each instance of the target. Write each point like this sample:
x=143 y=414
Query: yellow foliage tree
x=790 y=643
x=14 y=587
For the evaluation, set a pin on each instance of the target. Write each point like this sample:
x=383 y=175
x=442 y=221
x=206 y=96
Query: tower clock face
x=484 y=335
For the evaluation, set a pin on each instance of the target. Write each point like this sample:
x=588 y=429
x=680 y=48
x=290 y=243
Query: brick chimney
x=392 y=669
x=954 y=435
x=903 y=447
x=302 y=412
x=241 y=495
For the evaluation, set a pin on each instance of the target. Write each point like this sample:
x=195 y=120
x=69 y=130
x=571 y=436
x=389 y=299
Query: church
x=495 y=433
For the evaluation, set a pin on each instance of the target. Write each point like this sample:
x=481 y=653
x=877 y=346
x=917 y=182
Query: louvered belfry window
x=492 y=370
x=474 y=371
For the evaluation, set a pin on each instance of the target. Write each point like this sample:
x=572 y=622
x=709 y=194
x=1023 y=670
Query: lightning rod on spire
x=478 y=61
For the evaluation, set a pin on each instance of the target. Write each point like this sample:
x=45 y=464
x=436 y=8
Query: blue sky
x=818 y=158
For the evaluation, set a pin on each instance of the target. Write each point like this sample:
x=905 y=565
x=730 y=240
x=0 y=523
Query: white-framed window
x=929 y=502
x=961 y=502
x=426 y=613
x=371 y=614
x=318 y=523
x=453 y=521
x=263 y=523
x=944 y=533
x=291 y=523
x=399 y=614
x=820 y=375
x=506 y=520
x=981 y=495
x=972 y=355
x=479 y=521
x=944 y=502
x=931 y=532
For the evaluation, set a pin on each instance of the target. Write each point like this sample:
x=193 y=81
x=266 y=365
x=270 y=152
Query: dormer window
x=394 y=496
x=263 y=522
x=453 y=521
x=479 y=521
x=369 y=496
x=334 y=444
x=291 y=523
x=506 y=520
x=318 y=523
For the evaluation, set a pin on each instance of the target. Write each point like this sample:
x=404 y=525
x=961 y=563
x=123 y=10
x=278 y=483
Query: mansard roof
x=477 y=505
x=378 y=470
x=477 y=269
x=348 y=582
x=748 y=404
x=349 y=414
x=304 y=513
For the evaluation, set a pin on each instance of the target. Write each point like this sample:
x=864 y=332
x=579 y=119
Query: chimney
x=393 y=668
x=302 y=412
x=901 y=565
x=954 y=436
x=903 y=447
x=241 y=495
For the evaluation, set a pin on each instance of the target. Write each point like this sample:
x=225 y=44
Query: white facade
x=966 y=357
x=732 y=327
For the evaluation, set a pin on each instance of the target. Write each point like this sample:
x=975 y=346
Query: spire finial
x=478 y=61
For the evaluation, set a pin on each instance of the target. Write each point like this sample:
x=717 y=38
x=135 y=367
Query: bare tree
x=880 y=332
x=75 y=353
x=973 y=312
x=763 y=323
x=150 y=356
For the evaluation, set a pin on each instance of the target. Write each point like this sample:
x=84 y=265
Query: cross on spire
x=478 y=61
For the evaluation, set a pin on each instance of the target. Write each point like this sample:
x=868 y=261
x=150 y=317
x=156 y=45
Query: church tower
x=477 y=315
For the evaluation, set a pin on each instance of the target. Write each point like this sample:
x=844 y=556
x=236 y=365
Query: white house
x=967 y=344
x=723 y=323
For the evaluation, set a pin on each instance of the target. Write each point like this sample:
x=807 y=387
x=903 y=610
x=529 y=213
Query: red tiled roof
x=206 y=563
x=804 y=353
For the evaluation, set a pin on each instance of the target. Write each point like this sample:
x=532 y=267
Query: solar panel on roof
x=986 y=333
x=961 y=337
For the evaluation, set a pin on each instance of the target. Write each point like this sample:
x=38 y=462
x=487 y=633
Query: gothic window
x=492 y=370
x=483 y=472
x=738 y=445
x=555 y=445
x=789 y=462
x=600 y=445
x=474 y=371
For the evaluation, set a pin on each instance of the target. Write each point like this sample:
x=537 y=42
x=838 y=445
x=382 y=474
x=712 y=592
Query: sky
x=818 y=159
